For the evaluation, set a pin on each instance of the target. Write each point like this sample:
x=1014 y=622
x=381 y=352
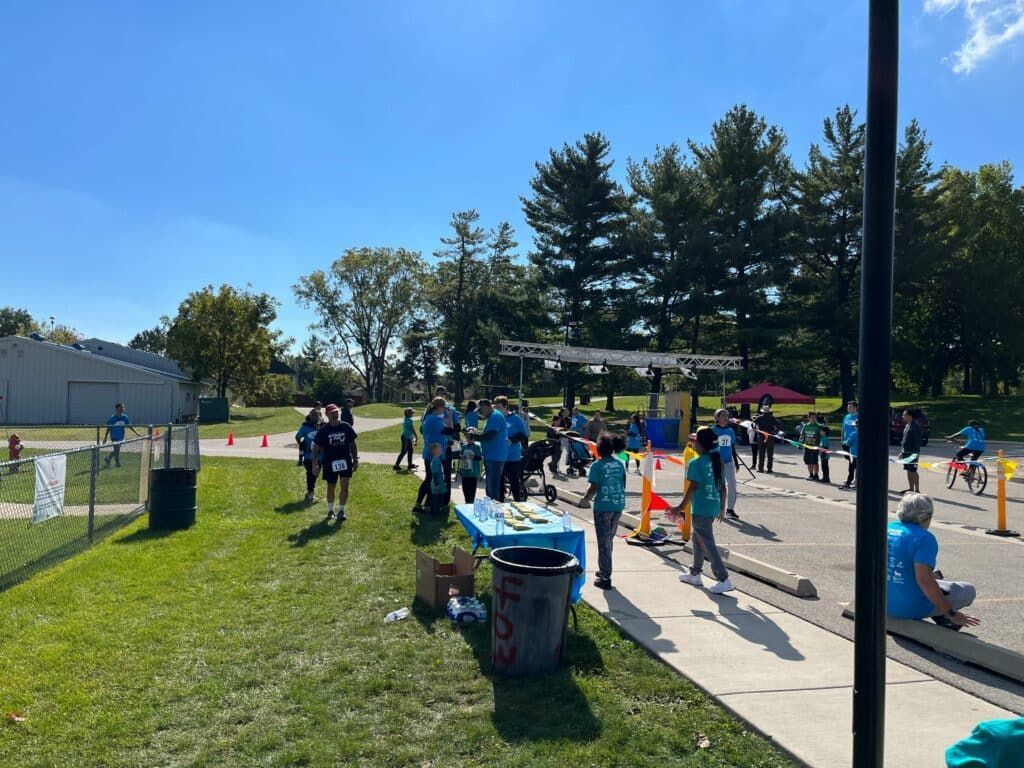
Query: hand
x=721 y=515
x=355 y=464
x=963 y=620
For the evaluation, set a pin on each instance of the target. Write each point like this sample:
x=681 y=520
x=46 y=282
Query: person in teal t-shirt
x=438 y=480
x=115 y=431
x=992 y=744
x=471 y=460
x=608 y=489
x=705 y=494
x=408 y=440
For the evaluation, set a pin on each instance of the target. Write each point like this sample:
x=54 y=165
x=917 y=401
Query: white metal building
x=46 y=383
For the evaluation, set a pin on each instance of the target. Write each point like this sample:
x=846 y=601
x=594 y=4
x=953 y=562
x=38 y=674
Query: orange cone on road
x=231 y=438
x=657 y=463
x=264 y=444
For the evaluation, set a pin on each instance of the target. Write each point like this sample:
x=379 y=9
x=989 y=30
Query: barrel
x=530 y=613
x=172 y=499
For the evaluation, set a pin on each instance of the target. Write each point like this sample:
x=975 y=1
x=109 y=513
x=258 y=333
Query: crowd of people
x=487 y=440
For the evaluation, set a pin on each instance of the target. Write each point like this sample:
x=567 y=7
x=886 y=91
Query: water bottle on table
x=566 y=521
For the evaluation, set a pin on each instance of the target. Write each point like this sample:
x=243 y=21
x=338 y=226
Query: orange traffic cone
x=157 y=433
x=264 y=444
x=231 y=438
x=657 y=463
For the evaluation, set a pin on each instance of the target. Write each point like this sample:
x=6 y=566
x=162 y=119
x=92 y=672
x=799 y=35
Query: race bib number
x=339 y=465
x=724 y=441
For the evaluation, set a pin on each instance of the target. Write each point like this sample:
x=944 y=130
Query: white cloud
x=991 y=24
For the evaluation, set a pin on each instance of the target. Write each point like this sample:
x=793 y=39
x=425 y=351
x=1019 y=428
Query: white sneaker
x=720 y=587
x=693 y=579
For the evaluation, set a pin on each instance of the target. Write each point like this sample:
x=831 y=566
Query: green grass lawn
x=253 y=422
x=257 y=638
x=387 y=410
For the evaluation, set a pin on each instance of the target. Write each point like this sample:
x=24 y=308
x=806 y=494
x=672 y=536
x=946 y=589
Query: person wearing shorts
x=810 y=437
x=974 y=435
x=115 y=432
x=335 y=445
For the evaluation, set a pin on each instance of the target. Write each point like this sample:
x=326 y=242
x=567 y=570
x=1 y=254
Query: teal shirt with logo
x=705 y=501
x=408 y=431
x=610 y=478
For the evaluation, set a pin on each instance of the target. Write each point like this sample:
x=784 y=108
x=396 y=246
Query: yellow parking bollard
x=1000 y=529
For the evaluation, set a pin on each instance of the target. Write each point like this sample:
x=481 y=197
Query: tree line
x=723 y=247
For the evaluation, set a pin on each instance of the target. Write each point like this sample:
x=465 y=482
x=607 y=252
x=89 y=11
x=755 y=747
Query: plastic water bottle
x=499 y=523
x=566 y=521
x=398 y=615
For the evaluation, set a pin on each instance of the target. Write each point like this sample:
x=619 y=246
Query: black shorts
x=331 y=475
x=811 y=456
x=962 y=454
x=910 y=467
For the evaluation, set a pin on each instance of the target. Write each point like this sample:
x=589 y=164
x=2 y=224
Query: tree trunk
x=845 y=375
x=609 y=400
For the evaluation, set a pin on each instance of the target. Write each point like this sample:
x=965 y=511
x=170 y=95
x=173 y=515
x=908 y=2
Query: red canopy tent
x=780 y=395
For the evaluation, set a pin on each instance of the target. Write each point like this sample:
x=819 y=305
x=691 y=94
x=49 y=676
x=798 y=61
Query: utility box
x=213 y=410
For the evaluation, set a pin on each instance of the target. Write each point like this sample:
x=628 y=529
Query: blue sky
x=149 y=149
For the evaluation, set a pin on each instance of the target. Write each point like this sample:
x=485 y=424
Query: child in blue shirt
x=608 y=484
x=438 y=480
x=471 y=461
x=408 y=440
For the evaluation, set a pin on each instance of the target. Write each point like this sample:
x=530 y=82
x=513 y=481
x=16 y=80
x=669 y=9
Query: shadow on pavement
x=642 y=627
x=315 y=531
x=755 y=531
x=762 y=630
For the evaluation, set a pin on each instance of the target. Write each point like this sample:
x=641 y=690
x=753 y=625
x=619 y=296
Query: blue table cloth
x=549 y=535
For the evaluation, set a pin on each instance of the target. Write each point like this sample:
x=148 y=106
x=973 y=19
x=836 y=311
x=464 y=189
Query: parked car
x=896 y=425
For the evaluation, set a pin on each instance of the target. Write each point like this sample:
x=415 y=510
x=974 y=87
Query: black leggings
x=406 y=449
x=311 y=474
x=424 y=492
x=852 y=472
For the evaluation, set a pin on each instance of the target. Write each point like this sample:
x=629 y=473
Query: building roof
x=138 y=357
x=281 y=367
x=81 y=349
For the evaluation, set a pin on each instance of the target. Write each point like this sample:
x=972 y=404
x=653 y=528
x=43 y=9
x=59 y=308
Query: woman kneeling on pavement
x=705 y=494
x=914 y=589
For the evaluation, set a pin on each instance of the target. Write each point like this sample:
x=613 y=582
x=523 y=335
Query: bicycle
x=972 y=471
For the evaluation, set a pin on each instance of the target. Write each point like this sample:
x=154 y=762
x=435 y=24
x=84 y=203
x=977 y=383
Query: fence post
x=97 y=434
x=187 y=441
x=95 y=468
x=167 y=447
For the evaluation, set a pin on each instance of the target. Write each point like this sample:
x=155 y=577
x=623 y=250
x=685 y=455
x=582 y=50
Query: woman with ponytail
x=705 y=493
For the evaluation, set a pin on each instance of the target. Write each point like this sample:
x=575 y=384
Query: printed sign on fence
x=51 y=473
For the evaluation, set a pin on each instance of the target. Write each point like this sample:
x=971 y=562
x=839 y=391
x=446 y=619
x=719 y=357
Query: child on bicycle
x=974 y=436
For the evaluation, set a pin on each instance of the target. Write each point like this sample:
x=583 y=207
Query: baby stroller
x=578 y=458
x=532 y=466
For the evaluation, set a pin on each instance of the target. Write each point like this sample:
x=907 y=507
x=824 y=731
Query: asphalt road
x=809 y=528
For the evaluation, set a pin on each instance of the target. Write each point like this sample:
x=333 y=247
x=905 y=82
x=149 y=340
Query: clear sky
x=151 y=148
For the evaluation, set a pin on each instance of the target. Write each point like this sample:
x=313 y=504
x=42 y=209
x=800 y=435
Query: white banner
x=51 y=472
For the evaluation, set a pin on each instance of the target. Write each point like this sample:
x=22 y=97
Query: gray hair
x=915 y=508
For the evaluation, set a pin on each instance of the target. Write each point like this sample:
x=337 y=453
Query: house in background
x=46 y=383
x=281 y=368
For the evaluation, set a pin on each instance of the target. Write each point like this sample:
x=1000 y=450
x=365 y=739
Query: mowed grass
x=253 y=422
x=257 y=638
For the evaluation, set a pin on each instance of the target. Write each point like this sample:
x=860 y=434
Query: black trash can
x=530 y=612
x=172 y=499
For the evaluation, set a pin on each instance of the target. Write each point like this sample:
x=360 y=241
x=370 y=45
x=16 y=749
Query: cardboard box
x=434 y=578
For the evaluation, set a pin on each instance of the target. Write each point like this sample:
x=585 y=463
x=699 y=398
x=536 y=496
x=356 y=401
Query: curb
x=966 y=648
x=793 y=583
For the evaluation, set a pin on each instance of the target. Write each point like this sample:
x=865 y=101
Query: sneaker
x=731 y=514
x=330 y=514
x=309 y=498
x=693 y=579
x=397 y=468
x=413 y=466
x=602 y=583
x=342 y=517
x=721 y=587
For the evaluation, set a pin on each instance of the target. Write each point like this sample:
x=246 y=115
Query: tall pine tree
x=577 y=211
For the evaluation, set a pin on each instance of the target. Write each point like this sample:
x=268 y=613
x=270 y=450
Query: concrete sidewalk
x=788 y=678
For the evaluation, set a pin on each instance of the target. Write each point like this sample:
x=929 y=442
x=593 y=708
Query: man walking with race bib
x=335 y=446
x=726 y=438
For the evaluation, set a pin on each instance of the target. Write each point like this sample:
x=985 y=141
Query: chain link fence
x=105 y=486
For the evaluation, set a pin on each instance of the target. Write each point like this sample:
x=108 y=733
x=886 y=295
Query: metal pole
x=521 y=385
x=875 y=334
x=167 y=447
x=94 y=469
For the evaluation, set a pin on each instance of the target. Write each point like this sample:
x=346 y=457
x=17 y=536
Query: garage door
x=91 y=402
